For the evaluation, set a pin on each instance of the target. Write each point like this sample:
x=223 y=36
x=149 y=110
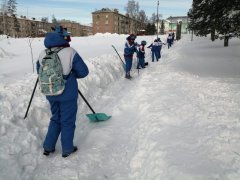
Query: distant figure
x=63 y=105
x=169 y=40
x=173 y=37
x=160 y=43
x=141 y=55
x=155 y=50
x=129 y=49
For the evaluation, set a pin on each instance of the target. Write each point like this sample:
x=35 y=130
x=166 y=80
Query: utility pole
x=171 y=23
x=157 y=18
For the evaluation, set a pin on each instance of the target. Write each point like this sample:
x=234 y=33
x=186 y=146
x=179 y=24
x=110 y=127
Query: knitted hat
x=143 y=42
x=131 y=37
x=62 y=31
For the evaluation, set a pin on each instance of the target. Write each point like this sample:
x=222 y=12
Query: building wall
x=110 y=21
x=171 y=24
x=34 y=28
x=104 y=22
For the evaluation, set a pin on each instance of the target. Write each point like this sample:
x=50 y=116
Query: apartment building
x=34 y=28
x=75 y=28
x=172 y=21
x=170 y=24
x=111 y=21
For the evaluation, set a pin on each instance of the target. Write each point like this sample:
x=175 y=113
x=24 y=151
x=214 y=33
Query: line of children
x=156 y=48
x=131 y=47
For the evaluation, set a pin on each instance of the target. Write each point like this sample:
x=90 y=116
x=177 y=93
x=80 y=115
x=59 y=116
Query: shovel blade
x=98 y=117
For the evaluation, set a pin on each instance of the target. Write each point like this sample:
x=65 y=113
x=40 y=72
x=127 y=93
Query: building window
x=106 y=22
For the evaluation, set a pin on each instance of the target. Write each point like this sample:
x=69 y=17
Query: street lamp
x=171 y=23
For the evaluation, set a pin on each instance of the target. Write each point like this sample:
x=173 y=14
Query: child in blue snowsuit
x=141 y=55
x=160 y=43
x=129 y=49
x=169 y=40
x=64 y=106
x=155 y=50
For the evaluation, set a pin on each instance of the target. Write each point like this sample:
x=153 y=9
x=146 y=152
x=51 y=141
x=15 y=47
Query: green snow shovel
x=95 y=117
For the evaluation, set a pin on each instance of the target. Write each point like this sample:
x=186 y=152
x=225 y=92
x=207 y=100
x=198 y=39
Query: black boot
x=46 y=153
x=74 y=150
x=128 y=75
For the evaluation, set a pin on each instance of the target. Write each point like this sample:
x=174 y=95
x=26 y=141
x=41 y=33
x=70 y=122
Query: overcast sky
x=80 y=10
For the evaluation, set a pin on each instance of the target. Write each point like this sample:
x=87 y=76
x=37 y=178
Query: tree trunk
x=179 y=27
x=226 y=38
x=213 y=35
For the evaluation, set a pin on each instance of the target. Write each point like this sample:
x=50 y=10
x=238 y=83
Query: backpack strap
x=48 y=50
x=59 y=49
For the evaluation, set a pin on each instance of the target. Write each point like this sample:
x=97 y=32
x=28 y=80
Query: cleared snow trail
x=166 y=124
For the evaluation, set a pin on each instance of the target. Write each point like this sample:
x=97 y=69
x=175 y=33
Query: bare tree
x=54 y=20
x=4 y=17
x=153 y=19
x=13 y=24
x=142 y=16
x=132 y=9
x=29 y=41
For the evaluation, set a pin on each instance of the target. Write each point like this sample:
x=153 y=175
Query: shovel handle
x=86 y=101
x=29 y=104
x=118 y=54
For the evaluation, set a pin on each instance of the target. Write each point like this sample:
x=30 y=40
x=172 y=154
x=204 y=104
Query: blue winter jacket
x=129 y=51
x=154 y=46
x=169 y=39
x=73 y=66
x=141 y=52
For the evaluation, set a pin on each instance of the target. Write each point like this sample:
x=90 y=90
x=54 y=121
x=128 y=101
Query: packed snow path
x=166 y=124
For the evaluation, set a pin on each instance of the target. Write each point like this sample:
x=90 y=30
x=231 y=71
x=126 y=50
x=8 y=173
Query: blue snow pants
x=159 y=54
x=169 y=45
x=62 y=121
x=141 y=62
x=128 y=64
x=155 y=54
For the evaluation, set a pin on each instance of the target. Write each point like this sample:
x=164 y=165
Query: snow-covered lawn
x=177 y=119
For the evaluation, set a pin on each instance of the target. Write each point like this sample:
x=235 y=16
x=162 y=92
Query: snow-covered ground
x=178 y=119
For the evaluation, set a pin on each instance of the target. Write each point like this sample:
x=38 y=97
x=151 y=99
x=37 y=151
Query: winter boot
x=74 y=150
x=46 y=153
x=128 y=75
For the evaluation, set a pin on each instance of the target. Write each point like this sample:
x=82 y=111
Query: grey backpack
x=51 y=74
